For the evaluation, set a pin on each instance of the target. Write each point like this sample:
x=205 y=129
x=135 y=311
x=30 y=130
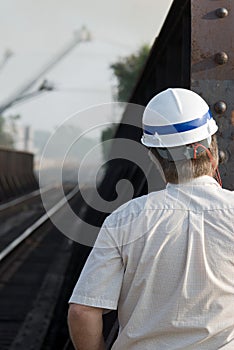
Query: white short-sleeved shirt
x=166 y=261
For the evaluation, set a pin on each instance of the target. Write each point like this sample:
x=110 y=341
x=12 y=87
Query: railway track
x=9 y=205
x=17 y=215
x=38 y=270
x=25 y=216
x=32 y=271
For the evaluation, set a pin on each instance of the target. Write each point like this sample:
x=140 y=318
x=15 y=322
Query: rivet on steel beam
x=220 y=107
x=222 y=12
x=222 y=157
x=221 y=58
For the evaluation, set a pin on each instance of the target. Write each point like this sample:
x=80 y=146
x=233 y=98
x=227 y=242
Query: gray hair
x=187 y=169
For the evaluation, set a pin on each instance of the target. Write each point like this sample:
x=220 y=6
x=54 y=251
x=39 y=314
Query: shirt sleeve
x=101 y=279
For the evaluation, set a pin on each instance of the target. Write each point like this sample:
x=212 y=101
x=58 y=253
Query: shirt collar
x=201 y=180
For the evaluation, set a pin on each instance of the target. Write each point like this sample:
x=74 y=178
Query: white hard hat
x=177 y=117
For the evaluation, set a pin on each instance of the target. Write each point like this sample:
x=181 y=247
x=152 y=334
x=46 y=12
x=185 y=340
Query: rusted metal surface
x=212 y=70
x=168 y=64
x=211 y=35
x=183 y=55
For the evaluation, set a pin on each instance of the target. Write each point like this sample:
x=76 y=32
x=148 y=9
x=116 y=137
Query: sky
x=37 y=31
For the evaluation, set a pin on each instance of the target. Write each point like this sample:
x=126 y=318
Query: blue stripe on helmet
x=179 y=127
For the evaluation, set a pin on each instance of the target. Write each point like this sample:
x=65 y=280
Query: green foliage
x=11 y=121
x=127 y=71
x=7 y=137
x=107 y=134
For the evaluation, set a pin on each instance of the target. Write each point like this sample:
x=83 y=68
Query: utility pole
x=7 y=54
x=80 y=36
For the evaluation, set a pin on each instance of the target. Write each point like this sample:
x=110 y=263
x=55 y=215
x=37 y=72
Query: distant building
x=23 y=138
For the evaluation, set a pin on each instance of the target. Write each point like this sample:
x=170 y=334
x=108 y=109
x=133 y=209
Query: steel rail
x=24 y=198
x=29 y=231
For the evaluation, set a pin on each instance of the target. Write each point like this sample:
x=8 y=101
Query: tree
x=127 y=71
x=7 y=137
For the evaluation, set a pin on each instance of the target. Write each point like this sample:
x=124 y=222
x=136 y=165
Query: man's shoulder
x=226 y=197
x=227 y=192
x=137 y=206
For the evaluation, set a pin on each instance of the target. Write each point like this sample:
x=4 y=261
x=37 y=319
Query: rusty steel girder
x=212 y=71
x=194 y=49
